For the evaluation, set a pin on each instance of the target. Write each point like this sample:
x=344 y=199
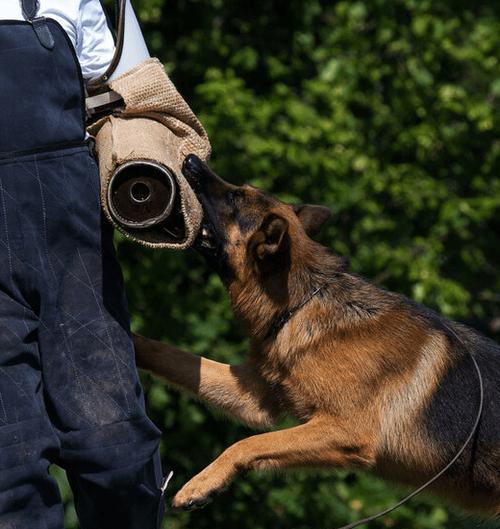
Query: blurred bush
x=387 y=111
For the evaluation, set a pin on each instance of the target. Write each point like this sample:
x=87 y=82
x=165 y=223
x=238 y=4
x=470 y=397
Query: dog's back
x=426 y=417
x=450 y=416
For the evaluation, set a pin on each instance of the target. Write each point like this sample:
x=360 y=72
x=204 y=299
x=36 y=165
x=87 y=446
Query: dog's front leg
x=322 y=442
x=239 y=390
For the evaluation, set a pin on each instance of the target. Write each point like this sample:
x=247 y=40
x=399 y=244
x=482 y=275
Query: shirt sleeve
x=95 y=45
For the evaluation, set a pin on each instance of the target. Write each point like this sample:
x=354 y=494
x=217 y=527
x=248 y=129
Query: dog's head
x=246 y=230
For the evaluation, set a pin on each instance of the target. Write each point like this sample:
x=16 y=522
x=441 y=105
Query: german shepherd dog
x=375 y=380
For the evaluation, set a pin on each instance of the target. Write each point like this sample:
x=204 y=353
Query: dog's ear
x=272 y=238
x=312 y=217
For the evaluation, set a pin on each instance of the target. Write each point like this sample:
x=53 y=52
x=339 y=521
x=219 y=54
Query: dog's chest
x=304 y=385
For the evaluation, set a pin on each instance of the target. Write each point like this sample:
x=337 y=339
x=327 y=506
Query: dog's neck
x=261 y=297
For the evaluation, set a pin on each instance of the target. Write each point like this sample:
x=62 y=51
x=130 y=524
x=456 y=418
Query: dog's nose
x=193 y=168
x=201 y=177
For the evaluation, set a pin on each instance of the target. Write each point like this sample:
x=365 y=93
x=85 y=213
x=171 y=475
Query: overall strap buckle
x=39 y=24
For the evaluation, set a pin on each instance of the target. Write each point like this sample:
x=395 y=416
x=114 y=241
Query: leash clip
x=165 y=483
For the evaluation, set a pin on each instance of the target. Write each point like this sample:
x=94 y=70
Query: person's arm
x=95 y=45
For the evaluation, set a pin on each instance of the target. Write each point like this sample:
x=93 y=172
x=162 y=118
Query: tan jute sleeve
x=155 y=124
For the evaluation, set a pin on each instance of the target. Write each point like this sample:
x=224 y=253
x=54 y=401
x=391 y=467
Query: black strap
x=111 y=23
x=98 y=84
x=117 y=13
x=282 y=318
x=30 y=9
x=43 y=32
x=40 y=26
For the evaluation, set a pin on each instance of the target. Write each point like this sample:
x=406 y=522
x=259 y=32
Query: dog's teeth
x=207 y=242
x=207 y=239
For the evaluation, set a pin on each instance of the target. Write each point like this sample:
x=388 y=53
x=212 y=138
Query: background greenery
x=387 y=111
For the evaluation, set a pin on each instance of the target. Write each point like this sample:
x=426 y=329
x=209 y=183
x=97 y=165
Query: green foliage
x=387 y=111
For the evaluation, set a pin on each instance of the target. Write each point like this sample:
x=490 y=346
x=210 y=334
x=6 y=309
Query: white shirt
x=85 y=23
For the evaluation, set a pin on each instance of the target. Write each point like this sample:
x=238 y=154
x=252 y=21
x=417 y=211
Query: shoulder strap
x=40 y=26
x=30 y=9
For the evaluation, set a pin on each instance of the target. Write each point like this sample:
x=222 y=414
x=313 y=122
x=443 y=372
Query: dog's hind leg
x=321 y=442
x=238 y=391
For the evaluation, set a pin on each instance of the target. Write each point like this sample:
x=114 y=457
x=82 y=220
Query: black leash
x=285 y=316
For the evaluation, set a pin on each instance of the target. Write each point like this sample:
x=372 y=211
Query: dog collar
x=283 y=317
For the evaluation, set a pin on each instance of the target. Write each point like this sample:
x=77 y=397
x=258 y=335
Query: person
x=69 y=388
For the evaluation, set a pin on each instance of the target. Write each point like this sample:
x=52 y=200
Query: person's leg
x=29 y=496
x=109 y=447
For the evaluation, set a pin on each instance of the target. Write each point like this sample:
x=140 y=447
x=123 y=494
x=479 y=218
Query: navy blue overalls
x=69 y=389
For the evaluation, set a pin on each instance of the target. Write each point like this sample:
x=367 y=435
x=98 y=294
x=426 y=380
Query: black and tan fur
x=376 y=381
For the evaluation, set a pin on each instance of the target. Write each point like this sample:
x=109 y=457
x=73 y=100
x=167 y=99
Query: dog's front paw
x=200 y=490
x=190 y=502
